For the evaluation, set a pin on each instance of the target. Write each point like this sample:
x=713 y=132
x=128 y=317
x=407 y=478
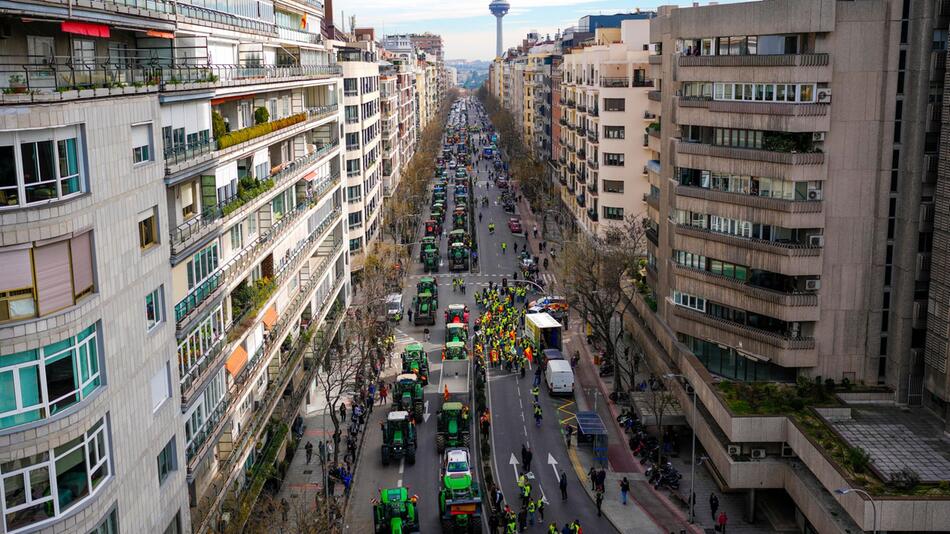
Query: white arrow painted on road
x=426 y=414
x=553 y=463
x=514 y=465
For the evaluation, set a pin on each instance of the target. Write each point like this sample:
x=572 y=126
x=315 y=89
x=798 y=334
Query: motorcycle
x=606 y=369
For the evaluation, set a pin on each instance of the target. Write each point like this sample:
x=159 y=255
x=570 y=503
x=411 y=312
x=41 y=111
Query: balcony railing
x=775 y=247
x=768 y=295
x=592 y=135
x=654 y=96
x=777 y=204
x=592 y=187
x=594 y=112
x=192 y=230
x=775 y=339
x=652 y=200
x=203 y=512
x=209 y=428
x=763 y=108
x=751 y=154
x=778 y=60
x=292 y=34
x=239 y=263
x=592 y=214
x=175 y=155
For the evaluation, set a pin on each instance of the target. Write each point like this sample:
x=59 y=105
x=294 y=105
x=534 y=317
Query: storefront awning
x=160 y=35
x=310 y=176
x=236 y=361
x=85 y=28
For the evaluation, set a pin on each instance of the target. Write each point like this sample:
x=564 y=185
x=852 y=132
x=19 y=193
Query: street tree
x=591 y=269
x=661 y=401
x=322 y=516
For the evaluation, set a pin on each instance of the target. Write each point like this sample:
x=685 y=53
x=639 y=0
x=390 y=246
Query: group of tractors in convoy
x=459 y=499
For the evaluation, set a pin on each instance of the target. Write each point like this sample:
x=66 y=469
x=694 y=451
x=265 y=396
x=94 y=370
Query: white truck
x=543 y=331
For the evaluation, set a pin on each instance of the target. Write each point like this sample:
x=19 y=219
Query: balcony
x=199 y=297
x=777 y=60
x=592 y=214
x=563 y=121
x=211 y=502
x=777 y=348
x=655 y=59
x=581 y=154
x=569 y=103
x=191 y=231
x=786 y=306
x=592 y=136
x=792 y=259
x=594 y=112
x=176 y=156
x=593 y=164
x=801 y=213
x=581 y=200
x=239 y=140
x=752 y=162
x=652 y=200
x=774 y=116
x=654 y=96
x=652 y=235
x=581 y=108
x=592 y=187
x=293 y=34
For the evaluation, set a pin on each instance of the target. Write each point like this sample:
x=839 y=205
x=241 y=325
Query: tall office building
x=791 y=240
x=171 y=235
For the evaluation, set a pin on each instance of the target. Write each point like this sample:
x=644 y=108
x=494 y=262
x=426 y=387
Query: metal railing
x=292 y=34
x=176 y=154
x=193 y=229
x=209 y=428
x=614 y=82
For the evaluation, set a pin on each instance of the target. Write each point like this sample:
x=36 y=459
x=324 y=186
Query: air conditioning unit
x=787 y=451
x=814 y=193
x=734 y=450
x=816 y=240
x=818 y=136
x=824 y=95
x=758 y=454
x=812 y=285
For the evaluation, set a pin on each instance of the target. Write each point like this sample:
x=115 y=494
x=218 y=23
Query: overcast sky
x=467 y=27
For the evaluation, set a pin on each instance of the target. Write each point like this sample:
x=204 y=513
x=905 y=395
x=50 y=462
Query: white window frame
x=17 y=138
x=200 y=342
x=158 y=297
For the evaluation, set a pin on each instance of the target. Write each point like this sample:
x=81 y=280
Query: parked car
x=514 y=224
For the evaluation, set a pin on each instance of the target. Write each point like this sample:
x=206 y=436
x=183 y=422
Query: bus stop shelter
x=591 y=430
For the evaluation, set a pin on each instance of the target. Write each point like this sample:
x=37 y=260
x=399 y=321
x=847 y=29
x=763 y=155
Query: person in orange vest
x=528 y=353
x=445 y=393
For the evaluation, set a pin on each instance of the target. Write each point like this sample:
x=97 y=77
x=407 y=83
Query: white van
x=559 y=377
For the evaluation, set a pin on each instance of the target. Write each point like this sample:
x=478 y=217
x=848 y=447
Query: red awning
x=85 y=28
x=160 y=35
x=310 y=176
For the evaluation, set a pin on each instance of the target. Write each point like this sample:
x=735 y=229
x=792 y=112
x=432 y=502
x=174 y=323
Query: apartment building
x=789 y=240
x=363 y=150
x=173 y=221
x=606 y=131
x=389 y=126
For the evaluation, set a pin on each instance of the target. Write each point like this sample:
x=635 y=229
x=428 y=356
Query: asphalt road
x=509 y=398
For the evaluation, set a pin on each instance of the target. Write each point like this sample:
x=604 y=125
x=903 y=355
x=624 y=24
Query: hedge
x=246 y=134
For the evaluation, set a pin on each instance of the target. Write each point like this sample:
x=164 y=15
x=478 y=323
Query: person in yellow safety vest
x=522 y=480
x=540 y=508
x=552 y=528
x=535 y=391
x=525 y=494
x=531 y=509
x=512 y=527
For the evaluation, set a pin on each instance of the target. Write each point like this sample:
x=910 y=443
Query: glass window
x=614 y=104
x=166 y=461
x=154 y=309
x=142 y=143
x=148 y=231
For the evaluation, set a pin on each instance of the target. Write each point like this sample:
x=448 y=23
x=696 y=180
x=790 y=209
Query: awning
x=270 y=317
x=236 y=361
x=310 y=176
x=160 y=35
x=85 y=28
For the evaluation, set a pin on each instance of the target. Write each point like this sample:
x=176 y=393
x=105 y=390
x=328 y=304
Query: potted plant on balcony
x=17 y=84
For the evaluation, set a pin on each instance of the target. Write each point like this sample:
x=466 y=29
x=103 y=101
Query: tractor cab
x=453 y=426
x=424 y=304
x=455 y=350
x=438 y=211
x=408 y=395
x=427 y=283
x=428 y=243
x=399 y=438
x=395 y=512
x=459 y=219
x=458 y=257
x=430 y=260
x=457 y=313
x=415 y=361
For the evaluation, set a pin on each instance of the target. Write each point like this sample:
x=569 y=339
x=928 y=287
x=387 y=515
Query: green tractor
x=424 y=304
x=458 y=257
x=455 y=351
x=427 y=284
x=460 y=219
x=399 y=438
x=433 y=228
x=453 y=427
x=438 y=211
x=430 y=260
x=460 y=173
x=415 y=361
x=456 y=332
x=408 y=395
x=438 y=195
x=428 y=243
x=395 y=512
x=460 y=502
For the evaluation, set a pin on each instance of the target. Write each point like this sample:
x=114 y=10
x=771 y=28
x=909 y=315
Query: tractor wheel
x=440 y=443
x=447 y=525
x=411 y=457
x=467 y=439
x=475 y=524
x=385 y=457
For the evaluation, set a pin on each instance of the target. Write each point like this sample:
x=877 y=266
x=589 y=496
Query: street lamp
x=692 y=462
x=845 y=491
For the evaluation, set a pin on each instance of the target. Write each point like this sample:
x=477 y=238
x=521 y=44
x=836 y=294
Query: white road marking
x=402 y=465
x=399 y=484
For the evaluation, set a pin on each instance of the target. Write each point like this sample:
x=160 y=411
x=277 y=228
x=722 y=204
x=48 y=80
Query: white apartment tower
x=171 y=235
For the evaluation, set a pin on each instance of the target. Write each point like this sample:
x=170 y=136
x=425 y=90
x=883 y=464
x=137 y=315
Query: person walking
x=722 y=521
x=592 y=475
x=713 y=504
x=383 y=394
x=284 y=508
x=323 y=452
x=531 y=511
x=552 y=528
x=599 y=499
x=540 y=507
x=527 y=456
x=409 y=314
x=536 y=391
x=562 y=483
x=504 y=246
x=624 y=490
x=570 y=432
x=537 y=413
x=309 y=450
x=522 y=519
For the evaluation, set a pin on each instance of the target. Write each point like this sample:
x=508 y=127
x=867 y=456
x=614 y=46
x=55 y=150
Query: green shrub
x=858 y=458
x=251 y=132
x=218 y=128
x=905 y=479
x=261 y=115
